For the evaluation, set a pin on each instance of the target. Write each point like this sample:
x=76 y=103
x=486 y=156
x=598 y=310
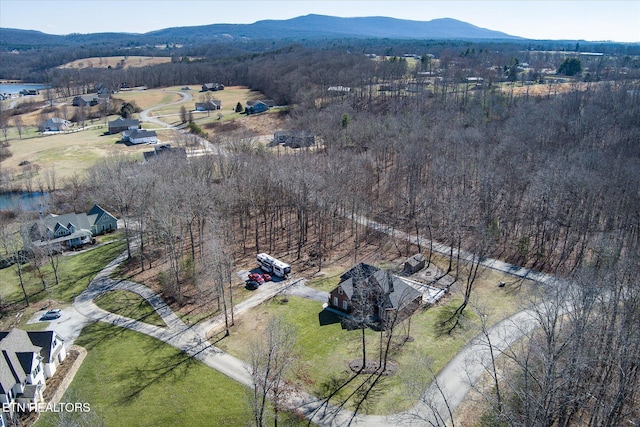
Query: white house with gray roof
x=139 y=136
x=27 y=360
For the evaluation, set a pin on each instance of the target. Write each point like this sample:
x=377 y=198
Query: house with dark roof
x=85 y=100
x=139 y=136
x=379 y=297
x=212 y=86
x=294 y=138
x=254 y=107
x=72 y=229
x=27 y=360
x=214 y=104
x=119 y=125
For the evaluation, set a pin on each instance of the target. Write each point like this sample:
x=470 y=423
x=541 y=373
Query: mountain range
x=302 y=27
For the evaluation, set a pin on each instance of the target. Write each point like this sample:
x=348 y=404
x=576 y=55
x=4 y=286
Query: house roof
x=44 y=339
x=56 y=121
x=139 y=133
x=87 y=98
x=16 y=358
x=120 y=122
x=395 y=292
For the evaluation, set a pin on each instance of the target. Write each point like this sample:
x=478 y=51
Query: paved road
x=446 y=392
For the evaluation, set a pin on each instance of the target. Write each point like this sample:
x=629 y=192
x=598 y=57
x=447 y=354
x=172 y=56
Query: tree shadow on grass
x=170 y=369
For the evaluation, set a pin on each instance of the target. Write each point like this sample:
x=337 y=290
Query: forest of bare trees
x=546 y=182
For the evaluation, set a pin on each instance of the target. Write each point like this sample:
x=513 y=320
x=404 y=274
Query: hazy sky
x=586 y=20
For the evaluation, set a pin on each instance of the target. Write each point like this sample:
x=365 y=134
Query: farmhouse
x=118 y=125
x=214 y=104
x=294 y=138
x=85 y=100
x=55 y=124
x=28 y=360
x=254 y=107
x=375 y=296
x=212 y=86
x=138 y=136
x=72 y=229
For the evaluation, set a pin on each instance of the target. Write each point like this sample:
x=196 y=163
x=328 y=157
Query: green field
x=132 y=380
x=130 y=305
x=75 y=271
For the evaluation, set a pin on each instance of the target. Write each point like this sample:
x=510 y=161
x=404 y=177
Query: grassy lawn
x=325 y=350
x=69 y=153
x=74 y=271
x=131 y=305
x=149 y=98
x=134 y=380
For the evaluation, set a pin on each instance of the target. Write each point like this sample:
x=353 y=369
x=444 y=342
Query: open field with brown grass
x=116 y=61
x=67 y=153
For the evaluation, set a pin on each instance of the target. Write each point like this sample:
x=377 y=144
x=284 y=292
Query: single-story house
x=55 y=124
x=85 y=100
x=212 y=86
x=254 y=107
x=163 y=150
x=414 y=264
x=294 y=138
x=28 y=359
x=375 y=296
x=72 y=229
x=214 y=104
x=118 y=125
x=139 y=136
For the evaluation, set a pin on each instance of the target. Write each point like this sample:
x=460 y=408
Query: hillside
x=303 y=27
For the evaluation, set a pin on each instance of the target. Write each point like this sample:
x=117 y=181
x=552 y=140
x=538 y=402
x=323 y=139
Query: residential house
x=72 y=229
x=119 y=125
x=27 y=360
x=139 y=136
x=212 y=86
x=85 y=100
x=164 y=150
x=375 y=296
x=214 y=104
x=101 y=221
x=55 y=124
x=254 y=107
x=294 y=138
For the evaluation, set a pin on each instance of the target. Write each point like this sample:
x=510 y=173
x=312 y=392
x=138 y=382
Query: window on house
x=340 y=292
x=345 y=305
x=335 y=301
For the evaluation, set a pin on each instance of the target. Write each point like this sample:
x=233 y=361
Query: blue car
x=52 y=314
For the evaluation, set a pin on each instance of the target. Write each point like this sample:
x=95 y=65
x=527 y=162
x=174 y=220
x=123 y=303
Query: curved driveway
x=444 y=395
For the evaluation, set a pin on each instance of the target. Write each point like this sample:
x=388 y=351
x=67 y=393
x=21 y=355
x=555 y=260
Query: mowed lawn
x=69 y=153
x=134 y=380
x=74 y=273
x=325 y=348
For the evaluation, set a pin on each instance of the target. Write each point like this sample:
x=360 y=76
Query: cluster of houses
x=72 y=230
x=28 y=360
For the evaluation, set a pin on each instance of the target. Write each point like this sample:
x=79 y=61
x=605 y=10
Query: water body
x=15 y=88
x=24 y=201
